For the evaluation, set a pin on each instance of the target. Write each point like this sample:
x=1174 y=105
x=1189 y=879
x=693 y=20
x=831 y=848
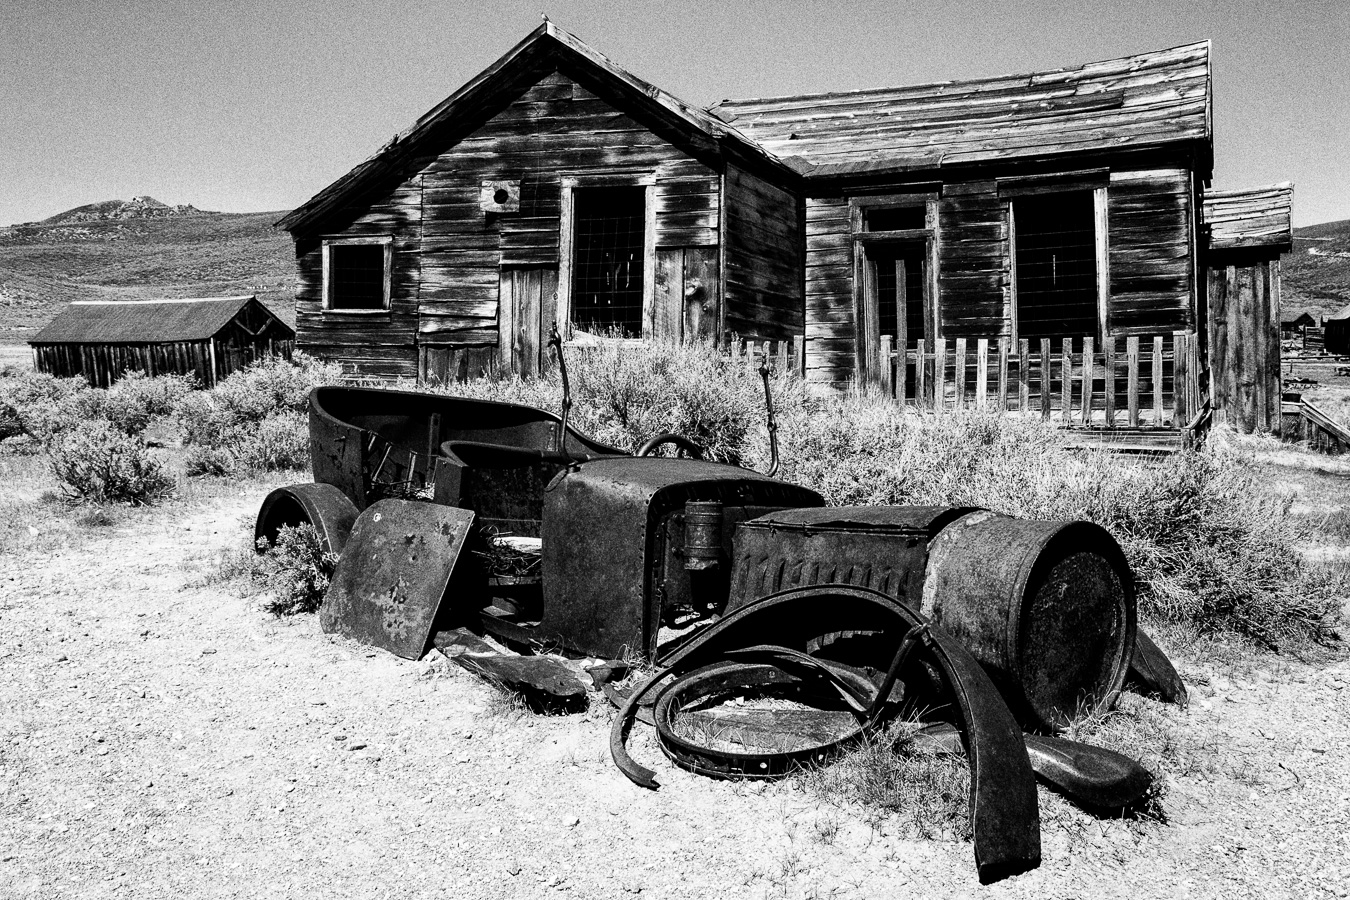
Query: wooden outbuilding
x=1033 y=242
x=1248 y=232
x=207 y=337
x=1336 y=332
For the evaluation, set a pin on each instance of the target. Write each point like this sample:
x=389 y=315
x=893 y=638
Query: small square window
x=356 y=275
x=896 y=218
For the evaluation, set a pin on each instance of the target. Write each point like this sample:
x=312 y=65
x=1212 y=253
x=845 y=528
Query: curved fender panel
x=1005 y=817
x=330 y=511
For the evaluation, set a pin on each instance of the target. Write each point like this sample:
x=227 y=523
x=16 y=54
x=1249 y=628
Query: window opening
x=1056 y=259
x=356 y=276
x=896 y=218
x=892 y=303
x=609 y=234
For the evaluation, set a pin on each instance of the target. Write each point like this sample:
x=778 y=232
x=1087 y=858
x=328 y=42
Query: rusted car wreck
x=457 y=517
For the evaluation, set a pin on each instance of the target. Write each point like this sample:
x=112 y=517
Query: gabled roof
x=1139 y=101
x=1340 y=316
x=1256 y=217
x=546 y=49
x=141 y=321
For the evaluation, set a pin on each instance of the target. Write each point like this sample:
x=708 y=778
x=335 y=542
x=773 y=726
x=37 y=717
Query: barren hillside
x=109 y=251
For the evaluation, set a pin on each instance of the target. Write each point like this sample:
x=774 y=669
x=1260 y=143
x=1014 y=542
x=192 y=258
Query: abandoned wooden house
x=1035 y=242
x=554 y=186
x=207 y=337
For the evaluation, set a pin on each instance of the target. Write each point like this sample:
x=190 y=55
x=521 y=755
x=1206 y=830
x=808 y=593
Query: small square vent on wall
x=500 y=196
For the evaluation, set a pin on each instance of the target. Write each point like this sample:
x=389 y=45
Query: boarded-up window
x=1056 y=259
x=356 y=274
x=608 y=241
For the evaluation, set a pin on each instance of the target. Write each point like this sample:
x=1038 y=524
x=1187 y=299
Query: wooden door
x=526 y=309
x=897 y=312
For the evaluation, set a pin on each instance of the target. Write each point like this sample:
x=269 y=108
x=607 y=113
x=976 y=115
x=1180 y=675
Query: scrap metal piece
x=1152 y=670
x=1092 y=776
x=388 y=586
x=546 y=683
x=1004 y=814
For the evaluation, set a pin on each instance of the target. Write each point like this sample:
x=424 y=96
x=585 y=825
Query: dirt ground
x=161 y=737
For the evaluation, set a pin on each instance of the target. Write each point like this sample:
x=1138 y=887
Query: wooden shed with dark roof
x=1246 y=234
x=209 y=337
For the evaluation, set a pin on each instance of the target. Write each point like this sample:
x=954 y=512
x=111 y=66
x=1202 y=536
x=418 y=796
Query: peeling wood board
x=388 y=586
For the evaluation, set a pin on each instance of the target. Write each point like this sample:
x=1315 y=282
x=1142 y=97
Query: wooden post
x=1088 y=350
x=1066 y=380
x=1132 y=377
x=920 y=363
x=1181 y=379
x=1046 y=380
x=1109 y=379
x=887 y=363
x=959 y=373
x=1157 y=381
x=1024 y=375
x=1002 y=402
x=939 y=375
x=981 y=372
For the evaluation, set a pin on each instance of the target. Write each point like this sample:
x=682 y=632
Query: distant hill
x=135 y=208
x=137 y=250
x=1317 y=271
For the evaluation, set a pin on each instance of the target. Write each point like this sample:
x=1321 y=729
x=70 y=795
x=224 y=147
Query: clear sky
x=243 y=105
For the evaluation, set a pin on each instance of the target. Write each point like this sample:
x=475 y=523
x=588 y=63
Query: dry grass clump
x=293 y=573
x=908 y=782
x=254 y=420
x=100 y=464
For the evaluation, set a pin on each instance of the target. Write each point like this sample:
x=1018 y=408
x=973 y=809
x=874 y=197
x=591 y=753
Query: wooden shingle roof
x=1138 y=101
x=1256 y=217
x=141 y=321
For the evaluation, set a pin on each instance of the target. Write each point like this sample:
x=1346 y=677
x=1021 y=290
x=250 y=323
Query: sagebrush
x=101 y=464
x=295 y=570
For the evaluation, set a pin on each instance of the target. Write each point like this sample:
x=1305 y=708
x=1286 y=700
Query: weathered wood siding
x=974 y=261
x=103 y=364
x=764 y=250
x=556 y=127
x=831 y=314
x=1150 y=224
x=1244 y=343
x=379 y=345
x=452 y=259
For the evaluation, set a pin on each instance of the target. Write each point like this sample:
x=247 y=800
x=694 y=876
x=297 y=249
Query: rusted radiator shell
x=880 y=547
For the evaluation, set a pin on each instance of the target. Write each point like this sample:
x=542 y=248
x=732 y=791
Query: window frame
x=1098 y=182
x=570 y=183
x=385 y=240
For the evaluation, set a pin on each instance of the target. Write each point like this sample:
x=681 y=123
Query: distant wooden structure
x=1336 y=333
x=207 y=337
x=1033 y=242
x=1249 y=230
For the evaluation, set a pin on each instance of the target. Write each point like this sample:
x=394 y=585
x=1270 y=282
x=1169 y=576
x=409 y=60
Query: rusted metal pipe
x=555 y=341
x=773 y=423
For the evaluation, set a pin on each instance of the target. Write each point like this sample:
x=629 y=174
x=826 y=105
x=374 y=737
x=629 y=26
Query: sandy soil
x=161 y=738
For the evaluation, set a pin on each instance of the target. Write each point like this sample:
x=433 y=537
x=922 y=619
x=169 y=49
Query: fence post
x=1109 y=379
x=1158 y=381
x=1024 y=375
x=1088 y=351
x=887 y=367
x=1046 y=379
x=982 y=372
x=1066 y=380
x=959 y=373
x=1132 y=377
x=939 y=373
x=1002 y=402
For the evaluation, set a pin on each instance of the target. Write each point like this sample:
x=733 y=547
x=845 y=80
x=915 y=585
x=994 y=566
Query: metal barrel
x=1048 y=608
